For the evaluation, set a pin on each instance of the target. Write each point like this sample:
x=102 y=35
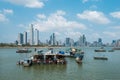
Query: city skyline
x=94 y=18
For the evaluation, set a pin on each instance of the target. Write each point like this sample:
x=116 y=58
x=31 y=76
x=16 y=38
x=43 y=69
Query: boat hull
x=101 y=58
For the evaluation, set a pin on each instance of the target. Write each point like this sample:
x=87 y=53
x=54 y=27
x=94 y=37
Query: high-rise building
x=54 y=40
x=31 y=35
x=69 y=42
x=20 y=39
x=99 y=42
x=36 y=36
x=50 y=41
x=82 y=41
x=25 y=37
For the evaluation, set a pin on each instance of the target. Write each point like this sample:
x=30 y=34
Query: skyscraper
x=31 y=35
x=36 y=36
x=20 y=39
x=99 y=42
x=82 y=40
x=25 y=37
x=51 y=40
x=69 y=42
x=54 y=40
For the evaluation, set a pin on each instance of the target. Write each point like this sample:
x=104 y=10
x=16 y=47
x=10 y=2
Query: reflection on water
x=90 y=69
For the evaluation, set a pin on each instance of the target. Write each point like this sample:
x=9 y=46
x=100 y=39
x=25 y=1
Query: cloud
x=56 y=21
x=41 y=16
x=111 y=34
x=94 y=16
x=115 y=27
x=28 y=3
x=84 y=1
x=3 y=18
x=7 y=11
x=115 y=14
x=4 y=13
x=73 y=34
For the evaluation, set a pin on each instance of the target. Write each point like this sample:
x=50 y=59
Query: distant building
x=99 y=42
x=69 y=42
x=36 y=36
x=82 y=41
x=31 y=35
x=113 y=44
x=50 y=41
x=118 y=43
x=54 y=39
x=20 y=39
x=25 y=38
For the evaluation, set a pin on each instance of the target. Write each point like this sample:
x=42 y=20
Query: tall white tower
x=25 y=37
x=31 y=35
x=36 y=36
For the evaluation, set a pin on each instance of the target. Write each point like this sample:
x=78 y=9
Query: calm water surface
x=90 y=69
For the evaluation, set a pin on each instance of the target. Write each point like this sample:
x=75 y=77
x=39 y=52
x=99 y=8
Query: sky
x=66 y=18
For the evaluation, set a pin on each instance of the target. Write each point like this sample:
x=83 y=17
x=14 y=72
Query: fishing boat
x=101 y=58
x=116 y=48
x=79 y=56
x=100 y=50
x=74 y=51
x=78 y=60
x=24 y=50
x=111 y=50
x=48 y=58
x=25 y=62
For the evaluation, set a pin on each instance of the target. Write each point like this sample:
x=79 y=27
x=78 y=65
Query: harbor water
x=90 y=69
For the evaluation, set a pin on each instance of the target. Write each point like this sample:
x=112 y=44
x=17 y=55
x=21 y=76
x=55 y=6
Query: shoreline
x=33 y=47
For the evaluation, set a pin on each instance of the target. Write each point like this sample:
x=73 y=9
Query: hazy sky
x=67 y=18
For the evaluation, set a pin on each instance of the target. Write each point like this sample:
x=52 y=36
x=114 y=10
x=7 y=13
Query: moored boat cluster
x=40 y=57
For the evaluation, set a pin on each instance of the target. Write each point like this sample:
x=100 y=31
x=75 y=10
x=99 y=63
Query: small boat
x=79 y=57
x=100 y=50
x=111 y=50
x=116 y=48
x=78 y=60
x=25 y=50
x=27 y=63
x=101 y=58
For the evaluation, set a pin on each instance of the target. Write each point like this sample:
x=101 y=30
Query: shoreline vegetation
x=11 y=45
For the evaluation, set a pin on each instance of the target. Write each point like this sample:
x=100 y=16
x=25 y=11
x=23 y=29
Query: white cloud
x=84 y=1
x=3 y=18
x=3 y=14
x=41 y=16
x=94 y=16
x=111 y=34
x=57 y=21
x=95 y=36
x=28 y=3
x=8 y=11
x=115 y=27
x=115 y=14
x=73 y=34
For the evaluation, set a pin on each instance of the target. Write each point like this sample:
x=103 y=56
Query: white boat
x=24 y=50
x=100 y=50
x=78 y=60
